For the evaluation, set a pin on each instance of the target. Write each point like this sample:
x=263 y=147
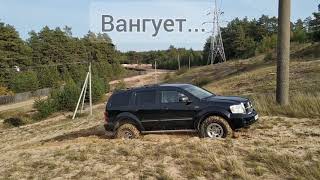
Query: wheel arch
x=127 y=117
x=221 y=113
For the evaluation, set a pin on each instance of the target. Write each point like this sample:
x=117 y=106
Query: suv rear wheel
x=215 y=127
x=127 y=131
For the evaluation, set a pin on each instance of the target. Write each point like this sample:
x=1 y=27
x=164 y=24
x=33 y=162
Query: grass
x=301 y=105
x=63 y=149
x=256 y=78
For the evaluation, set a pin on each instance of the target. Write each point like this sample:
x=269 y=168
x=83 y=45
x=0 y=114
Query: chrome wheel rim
x=215 y=130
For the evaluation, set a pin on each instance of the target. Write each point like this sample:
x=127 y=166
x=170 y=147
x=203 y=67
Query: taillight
x=106 y=116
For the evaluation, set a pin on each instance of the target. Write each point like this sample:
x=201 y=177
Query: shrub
x=48 y=77
x=182 y=71
x=24 y=81
x=4 y=91
x=121 y=85
x=98 y=89
x=269 y=57
x=268 y=43
x=67 y=98
x=13 y=122
x=201 y=81
x=45 y=107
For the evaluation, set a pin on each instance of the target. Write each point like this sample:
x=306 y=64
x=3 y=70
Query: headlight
x=238 y=109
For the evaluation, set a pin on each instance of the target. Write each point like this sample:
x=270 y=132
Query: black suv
x=176 y=108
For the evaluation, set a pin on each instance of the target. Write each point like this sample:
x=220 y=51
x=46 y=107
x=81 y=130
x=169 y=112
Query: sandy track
x=135 y=81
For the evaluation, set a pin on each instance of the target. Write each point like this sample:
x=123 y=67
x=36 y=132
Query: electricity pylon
x=216 y=43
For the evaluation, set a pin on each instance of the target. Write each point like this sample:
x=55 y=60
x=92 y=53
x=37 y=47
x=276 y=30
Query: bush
x=45 y=107
x=67 y=98
x=201 y=81
x=267 y=44
x=269 y=57
x=181 y=71
x=24 y=81
x=48 y=77
x=98 y=89
x=120 y=86
x=4 y=91
x=13 y=122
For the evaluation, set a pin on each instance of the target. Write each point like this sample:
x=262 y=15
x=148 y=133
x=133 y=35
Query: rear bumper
x=108 y=126
x=243 y=120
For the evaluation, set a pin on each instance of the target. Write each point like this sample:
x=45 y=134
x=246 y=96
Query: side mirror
x=184 y=99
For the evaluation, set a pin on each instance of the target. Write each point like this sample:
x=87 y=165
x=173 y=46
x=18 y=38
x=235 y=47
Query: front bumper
x=243 y=120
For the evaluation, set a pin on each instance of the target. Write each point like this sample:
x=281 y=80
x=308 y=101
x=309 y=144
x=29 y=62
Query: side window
x=170 y=96
x=121 y=99
x=146 y=98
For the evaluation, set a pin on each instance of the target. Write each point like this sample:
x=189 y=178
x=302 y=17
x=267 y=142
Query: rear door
x=147 y=108
x=175 y=115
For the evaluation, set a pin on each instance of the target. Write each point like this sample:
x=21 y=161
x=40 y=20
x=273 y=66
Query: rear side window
x=146 y=98
x=121 y=99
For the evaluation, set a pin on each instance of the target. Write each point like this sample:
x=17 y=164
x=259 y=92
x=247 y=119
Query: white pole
x=179 y=61
x=84 y=97
x=75 y=111
x=155 y=71
x=90 y=88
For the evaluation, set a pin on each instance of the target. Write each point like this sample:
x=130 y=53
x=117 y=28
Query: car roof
x=155 y=86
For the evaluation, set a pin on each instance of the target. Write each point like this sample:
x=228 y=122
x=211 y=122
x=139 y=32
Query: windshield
x=198 y=92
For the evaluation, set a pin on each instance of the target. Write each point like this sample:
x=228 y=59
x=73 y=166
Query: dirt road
x=135 y=81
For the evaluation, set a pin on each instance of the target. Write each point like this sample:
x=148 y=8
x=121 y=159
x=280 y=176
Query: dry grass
x=256 y=79
x=301 y=105
x=274 y=148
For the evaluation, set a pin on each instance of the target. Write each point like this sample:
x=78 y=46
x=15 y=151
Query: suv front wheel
x=215 y=127
x=127 y=131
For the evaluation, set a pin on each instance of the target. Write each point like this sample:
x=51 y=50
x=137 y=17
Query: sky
x=85 y=15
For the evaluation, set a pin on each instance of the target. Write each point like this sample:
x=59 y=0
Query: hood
x=227 y=99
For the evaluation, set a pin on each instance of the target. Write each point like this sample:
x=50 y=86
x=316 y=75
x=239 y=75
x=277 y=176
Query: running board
x=168 y=131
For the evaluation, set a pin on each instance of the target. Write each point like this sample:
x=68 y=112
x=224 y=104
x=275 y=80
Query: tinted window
x=170 y=96
x=121 y=99
x=146 y=98
x=198 y=92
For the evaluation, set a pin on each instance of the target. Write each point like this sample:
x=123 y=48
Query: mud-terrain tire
x=127 y=131
x=215 y=127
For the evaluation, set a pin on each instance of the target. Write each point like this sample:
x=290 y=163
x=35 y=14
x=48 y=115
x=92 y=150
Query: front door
x=175 y=115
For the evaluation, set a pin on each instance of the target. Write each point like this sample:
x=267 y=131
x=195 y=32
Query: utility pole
x=155 y=72
x=179 y=61
x=283 y=52
x=90 y=88
x=189 y=62
x=88 y=80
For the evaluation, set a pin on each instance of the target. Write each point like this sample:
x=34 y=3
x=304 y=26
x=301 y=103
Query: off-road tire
x=127 y=131
x=215 y=120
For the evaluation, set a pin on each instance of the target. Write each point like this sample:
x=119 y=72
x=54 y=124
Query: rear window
x=120 y=99
x=146 y=98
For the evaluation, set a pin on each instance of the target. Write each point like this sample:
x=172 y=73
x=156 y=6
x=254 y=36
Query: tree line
x=242 y=38
x=52 y=57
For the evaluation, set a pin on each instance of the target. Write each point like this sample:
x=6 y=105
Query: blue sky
x=84 y=15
